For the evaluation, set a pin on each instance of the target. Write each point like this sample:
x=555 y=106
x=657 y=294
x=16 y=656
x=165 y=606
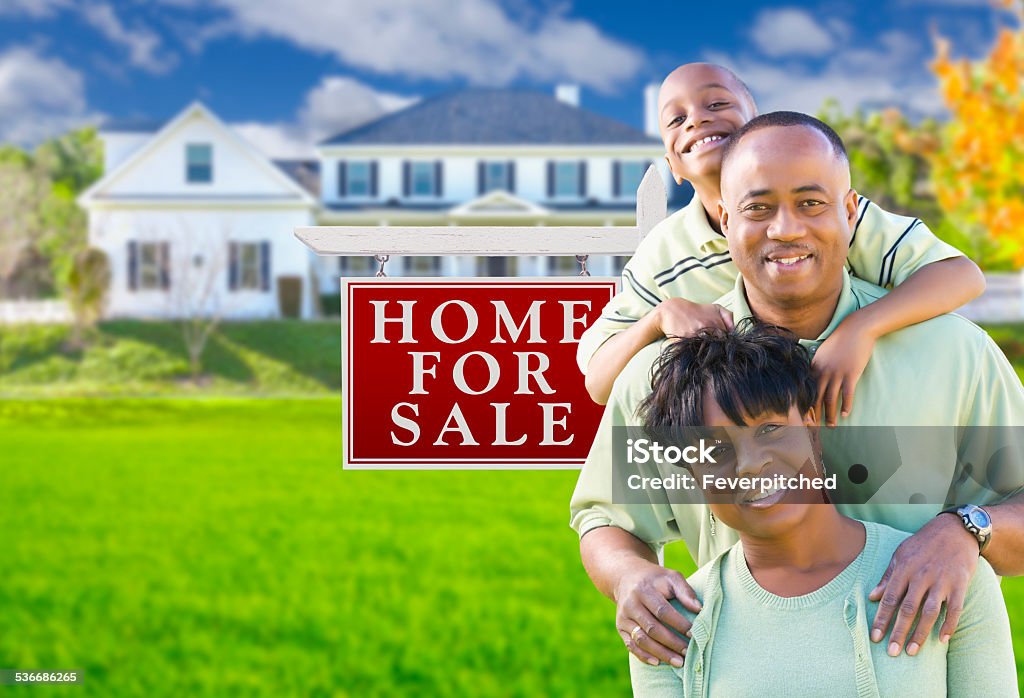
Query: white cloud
x=473 y=40
x=890 y=72
x=143 y=44
x=791 y=32
x=39 y=97
x=336 y=104
x=37 y=9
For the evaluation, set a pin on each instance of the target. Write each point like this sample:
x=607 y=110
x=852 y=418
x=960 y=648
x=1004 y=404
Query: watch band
x=983 y=534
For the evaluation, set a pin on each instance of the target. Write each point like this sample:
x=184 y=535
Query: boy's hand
x=840 y=361
x=678 y=317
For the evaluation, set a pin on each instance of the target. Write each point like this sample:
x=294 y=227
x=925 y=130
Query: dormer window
x=198 y=163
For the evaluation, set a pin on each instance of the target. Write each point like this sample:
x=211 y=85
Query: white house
x=483 y=157
x=195 y=219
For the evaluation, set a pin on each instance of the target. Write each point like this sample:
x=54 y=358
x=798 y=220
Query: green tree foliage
x=41 y=226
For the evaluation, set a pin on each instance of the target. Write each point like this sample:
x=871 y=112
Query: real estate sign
x=467 y=373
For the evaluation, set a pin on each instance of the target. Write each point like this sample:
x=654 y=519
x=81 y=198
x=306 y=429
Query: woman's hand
x=643 y=611
x=678 y=317
x=840 y=361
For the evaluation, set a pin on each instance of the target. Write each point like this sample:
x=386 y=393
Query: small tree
x=978 y=172
x=87 y=286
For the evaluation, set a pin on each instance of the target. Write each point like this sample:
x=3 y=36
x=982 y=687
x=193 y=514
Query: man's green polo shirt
x=942 y=373
x=684 y=257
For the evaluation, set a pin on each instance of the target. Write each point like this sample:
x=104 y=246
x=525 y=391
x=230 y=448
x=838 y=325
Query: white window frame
x=189 y=149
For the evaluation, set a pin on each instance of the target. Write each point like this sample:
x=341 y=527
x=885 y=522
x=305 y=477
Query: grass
x=215 y=547
x=274 y=357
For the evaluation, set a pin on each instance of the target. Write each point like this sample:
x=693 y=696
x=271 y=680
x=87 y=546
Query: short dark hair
x=785 y=119
x=753 y=369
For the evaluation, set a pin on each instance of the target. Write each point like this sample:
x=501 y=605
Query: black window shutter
x=232 y=266
x=133 y=265
x=512 y=176
x=373 y=178
x=551 y=179
x=265 y=265
x=406 y=178
x=616 y=179
x=480 y=176
x=165 y=265
x=342 y=178
x=438 y=181
x=583 y=178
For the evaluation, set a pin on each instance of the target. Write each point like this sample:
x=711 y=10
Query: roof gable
x=496 y=117
x=157 y=169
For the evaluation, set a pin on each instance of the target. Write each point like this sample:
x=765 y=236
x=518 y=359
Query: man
x=788 y=213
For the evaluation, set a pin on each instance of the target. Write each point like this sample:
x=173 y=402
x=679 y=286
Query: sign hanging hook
x=381 y=260
x=582 y=259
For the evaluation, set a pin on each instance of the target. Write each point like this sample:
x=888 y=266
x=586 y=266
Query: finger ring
x=634 y=632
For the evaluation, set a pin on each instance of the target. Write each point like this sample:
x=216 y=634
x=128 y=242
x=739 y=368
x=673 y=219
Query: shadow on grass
x=310 y=348
x=217 y=360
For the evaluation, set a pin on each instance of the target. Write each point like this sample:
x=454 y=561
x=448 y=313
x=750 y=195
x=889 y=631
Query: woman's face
x=769 y=445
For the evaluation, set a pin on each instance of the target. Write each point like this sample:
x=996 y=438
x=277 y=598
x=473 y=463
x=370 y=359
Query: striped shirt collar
x=848 y=302
x=697 y=226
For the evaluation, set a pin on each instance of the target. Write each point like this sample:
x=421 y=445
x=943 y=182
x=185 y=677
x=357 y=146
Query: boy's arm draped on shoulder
x=930 y=278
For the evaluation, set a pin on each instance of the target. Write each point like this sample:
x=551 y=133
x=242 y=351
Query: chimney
x=568 y=94
x=651 y=110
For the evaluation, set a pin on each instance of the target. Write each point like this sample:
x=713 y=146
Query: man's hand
x=643 y=610
x=678 y=317
x=932 y=567
x=840 y=361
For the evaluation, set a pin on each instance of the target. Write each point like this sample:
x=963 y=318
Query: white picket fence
x=34 y=312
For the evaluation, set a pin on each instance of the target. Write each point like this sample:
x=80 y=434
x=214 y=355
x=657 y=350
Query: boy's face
x=697 y=101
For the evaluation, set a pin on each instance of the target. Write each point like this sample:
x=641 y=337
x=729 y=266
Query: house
x=196 y=220
x=483 y=157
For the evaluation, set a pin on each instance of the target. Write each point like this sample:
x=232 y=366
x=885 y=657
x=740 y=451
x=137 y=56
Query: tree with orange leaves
x=978 y=172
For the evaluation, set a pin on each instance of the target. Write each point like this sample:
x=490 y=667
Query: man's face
x=787 y=212
x=697 y=101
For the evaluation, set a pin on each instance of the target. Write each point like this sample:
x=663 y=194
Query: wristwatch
x=977 y=522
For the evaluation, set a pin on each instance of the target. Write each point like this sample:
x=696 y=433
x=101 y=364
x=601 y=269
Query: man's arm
x=626 y=570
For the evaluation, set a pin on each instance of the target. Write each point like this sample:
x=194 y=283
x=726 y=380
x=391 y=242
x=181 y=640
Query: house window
x=356 y=266
x=148 y=266
x=423 y=179
x=567 y=180
x=626 y=179
x=422 y=266
x=357 y=178
x=495 y=175
x=198 y=163
x=249 y=267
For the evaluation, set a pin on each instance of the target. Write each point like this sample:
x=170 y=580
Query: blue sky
x=288 y=74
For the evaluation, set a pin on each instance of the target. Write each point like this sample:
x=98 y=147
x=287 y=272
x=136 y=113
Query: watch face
x=980 y=519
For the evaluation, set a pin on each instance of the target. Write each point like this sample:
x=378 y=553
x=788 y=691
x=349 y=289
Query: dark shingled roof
x=305 y=172
x=493 y=117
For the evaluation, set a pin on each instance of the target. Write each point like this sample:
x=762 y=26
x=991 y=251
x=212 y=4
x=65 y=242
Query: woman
x=785 y=611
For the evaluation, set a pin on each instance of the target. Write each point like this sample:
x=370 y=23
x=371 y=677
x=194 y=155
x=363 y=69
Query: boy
x=684 y=264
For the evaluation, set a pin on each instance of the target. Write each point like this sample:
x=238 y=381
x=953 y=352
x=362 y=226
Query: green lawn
x=190 y=547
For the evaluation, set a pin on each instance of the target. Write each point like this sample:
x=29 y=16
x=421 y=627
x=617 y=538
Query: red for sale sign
x=467 y=373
